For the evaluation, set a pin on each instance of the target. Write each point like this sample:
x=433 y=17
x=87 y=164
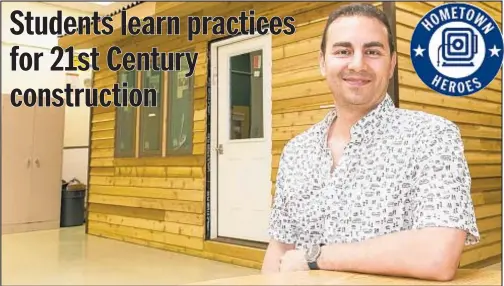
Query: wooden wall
x=159 y=202
x=479 y=118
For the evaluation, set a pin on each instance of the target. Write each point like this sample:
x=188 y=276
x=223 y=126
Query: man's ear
x=322 y=64
x=393 y=64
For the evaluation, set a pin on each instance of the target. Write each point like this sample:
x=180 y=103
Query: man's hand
x=274 y=253
x=293 y=260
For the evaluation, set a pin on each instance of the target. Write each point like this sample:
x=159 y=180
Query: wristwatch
x=312 y=254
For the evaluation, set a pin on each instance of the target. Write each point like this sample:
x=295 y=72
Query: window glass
x=125 y=119
x=180 y=111
x=246 y=98
x=151 y=117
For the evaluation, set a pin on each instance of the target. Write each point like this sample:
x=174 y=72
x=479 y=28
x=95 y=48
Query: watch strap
x=313 y=265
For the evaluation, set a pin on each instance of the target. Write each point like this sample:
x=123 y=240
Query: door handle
x=220 y=149
x=37 y=163
x=28 y=163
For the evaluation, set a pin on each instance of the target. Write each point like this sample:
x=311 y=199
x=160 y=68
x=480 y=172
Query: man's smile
x=356 y=81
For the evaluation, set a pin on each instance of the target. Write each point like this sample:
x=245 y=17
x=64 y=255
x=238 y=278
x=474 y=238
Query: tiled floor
x=68 y=256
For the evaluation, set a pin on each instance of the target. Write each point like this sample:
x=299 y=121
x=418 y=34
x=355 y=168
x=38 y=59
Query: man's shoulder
x=305 y=139
x=423 y=123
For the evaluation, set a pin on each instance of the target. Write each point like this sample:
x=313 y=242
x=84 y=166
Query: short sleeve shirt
x=401 y=170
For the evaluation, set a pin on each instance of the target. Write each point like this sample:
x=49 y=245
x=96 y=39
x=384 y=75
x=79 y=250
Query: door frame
x=211 y=216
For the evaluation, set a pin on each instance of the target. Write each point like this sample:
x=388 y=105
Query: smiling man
x=371 y=188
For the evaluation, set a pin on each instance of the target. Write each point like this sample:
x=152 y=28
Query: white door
x=244 y=139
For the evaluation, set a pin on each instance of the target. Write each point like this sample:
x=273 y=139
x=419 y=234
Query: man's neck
x=348 y=116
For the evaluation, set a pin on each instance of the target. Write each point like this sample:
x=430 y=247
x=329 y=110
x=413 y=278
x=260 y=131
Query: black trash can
x=72 y=206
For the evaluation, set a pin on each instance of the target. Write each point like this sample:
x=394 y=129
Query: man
x=371 y=188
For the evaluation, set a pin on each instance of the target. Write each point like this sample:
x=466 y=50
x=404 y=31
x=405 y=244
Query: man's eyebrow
x=366 y=45
x=342 y=44
x=373 y=44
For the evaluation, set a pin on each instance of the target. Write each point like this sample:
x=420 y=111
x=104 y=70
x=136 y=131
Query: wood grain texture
x=320 y=277
x=207 y=253
x=151 y=235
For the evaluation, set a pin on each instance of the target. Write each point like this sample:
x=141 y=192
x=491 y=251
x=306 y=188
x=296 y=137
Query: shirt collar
x=368 y=126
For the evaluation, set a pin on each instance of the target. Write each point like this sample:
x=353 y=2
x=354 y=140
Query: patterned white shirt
x=402 y=170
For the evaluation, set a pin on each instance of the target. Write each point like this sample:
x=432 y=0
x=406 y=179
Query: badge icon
x=457 y=49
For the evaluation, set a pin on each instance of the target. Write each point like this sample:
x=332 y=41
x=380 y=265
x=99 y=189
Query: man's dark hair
x=359 y=9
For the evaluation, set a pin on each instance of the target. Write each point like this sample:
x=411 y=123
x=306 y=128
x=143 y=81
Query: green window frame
x=151 y=117
x=179 y=124
x=125 y=120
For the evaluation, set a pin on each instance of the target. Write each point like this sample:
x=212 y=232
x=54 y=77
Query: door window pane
x=246 y=97
x=151 y=116
x=125 y=119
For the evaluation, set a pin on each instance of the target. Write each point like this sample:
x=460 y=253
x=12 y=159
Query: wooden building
x=154 y=175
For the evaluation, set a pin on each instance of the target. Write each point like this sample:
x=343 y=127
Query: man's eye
x=342 y=52
x=373 y=52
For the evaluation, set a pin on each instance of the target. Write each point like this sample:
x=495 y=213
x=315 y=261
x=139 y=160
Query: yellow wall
x=479 y=118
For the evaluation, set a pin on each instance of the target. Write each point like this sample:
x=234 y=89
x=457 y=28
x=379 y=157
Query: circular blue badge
x=456 y=49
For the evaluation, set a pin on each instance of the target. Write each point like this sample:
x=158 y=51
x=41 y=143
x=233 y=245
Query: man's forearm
x=426 y=254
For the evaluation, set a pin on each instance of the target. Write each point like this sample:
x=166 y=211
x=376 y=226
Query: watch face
x=313 y=253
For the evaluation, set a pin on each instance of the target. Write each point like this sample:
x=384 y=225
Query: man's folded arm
x=430 y=253
x=443 y=220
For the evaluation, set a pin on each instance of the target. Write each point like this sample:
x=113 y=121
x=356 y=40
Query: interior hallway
x=69 y=256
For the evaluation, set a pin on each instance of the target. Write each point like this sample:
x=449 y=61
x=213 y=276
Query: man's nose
x=357 y=62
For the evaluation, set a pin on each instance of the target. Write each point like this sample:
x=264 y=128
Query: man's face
x=357 y=62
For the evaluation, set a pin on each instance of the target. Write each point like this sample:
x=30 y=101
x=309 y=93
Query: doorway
x=241 y=143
